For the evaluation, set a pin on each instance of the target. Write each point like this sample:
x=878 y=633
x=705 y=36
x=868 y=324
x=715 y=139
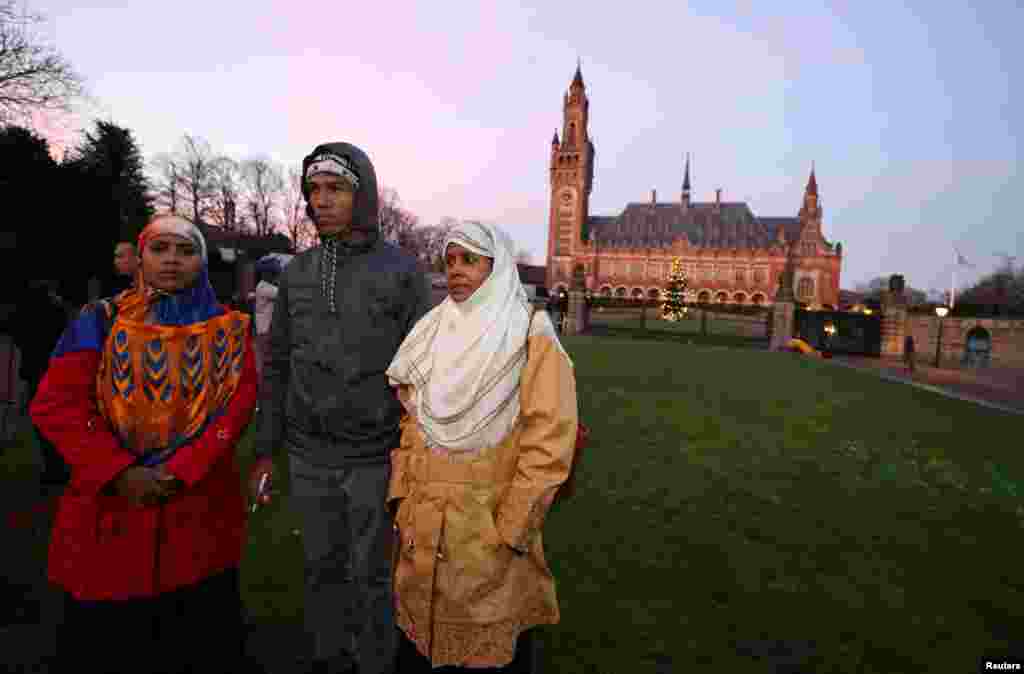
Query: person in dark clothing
x=126 y=262
x=908 y=353
x=37 y=324
x=341 y=311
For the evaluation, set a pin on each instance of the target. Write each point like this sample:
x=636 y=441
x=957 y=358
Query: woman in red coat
x=145 y=397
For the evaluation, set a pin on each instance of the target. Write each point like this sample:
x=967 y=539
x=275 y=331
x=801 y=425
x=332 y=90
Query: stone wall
x=1007 y=338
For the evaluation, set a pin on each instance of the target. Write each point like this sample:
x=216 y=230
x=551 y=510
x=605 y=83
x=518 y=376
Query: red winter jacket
x=106 y=547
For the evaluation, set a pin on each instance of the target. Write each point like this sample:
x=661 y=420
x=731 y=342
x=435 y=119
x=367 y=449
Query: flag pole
x=952 y=284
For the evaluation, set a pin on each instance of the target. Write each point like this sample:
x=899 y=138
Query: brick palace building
x=729 y=254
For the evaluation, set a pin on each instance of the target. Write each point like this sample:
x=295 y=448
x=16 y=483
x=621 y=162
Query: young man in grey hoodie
x=341 y=311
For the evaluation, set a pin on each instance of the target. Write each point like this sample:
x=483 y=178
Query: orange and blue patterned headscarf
x=196 y=303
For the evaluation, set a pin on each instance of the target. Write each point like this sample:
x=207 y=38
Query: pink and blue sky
x=913 y=112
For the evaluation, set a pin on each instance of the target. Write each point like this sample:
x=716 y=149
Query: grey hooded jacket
x=325 y=395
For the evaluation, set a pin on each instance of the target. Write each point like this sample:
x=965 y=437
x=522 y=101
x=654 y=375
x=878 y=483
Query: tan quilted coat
x=470 y=572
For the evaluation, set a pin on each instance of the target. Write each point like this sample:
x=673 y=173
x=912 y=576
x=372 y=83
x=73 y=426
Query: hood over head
x=365 y=214
x=351 y=163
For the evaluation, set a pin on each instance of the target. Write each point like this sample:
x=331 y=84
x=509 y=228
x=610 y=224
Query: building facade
x=729 y=254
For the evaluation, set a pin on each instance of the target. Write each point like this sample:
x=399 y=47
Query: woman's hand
x=141 y=485
x=171 y=485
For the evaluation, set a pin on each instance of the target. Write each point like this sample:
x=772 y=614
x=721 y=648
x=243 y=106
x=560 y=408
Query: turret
x=685 y=199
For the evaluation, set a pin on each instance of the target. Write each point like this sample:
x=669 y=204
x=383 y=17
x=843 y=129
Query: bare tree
x=297 y=224
x=264 y=184
x=227 y=186
x=427 y=242
x=198 y=165
x=1004 y=286
x=396 y=223
x=33 y=75
x=873 y=289
x=166 y=173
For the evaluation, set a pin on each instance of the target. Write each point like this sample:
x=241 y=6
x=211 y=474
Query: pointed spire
x=686 y=174
x=554 y=141
x=812 y=182
x=577 y=79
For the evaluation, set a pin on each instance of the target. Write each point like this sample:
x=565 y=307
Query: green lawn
x=720 y=324
x=734 y=495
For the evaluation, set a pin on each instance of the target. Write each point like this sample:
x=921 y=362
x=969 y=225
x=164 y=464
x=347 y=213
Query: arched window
x=978 y=349
x=757 y=299
x=739 y=298
x=704 y=297
x=805 y=288
x=721 y=298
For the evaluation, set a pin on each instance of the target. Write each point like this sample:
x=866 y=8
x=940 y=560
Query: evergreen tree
x=103 y=178
x=672 y=297
x=27 y=175
x=109 y=161
x=23 y=154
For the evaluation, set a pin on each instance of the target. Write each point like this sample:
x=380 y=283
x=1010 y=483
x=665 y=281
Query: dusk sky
x=907 y=109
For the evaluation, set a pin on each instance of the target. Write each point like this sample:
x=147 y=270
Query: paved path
x=996 y=388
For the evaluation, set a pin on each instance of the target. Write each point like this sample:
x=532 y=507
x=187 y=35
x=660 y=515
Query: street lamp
x=941 y=313
x=830 y=330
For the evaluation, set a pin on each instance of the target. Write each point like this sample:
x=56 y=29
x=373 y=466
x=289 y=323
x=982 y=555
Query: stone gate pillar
x=894 y=316
x=781 y=327
x=784 y=307
x=577 y=320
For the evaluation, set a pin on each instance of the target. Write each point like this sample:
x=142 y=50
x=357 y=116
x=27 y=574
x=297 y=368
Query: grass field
x=733 y=496
x=720 y=324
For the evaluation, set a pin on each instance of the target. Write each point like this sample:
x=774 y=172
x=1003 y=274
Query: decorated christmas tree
x=672 y=297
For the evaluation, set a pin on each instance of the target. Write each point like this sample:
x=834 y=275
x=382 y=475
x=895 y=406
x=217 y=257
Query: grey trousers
x=347 y=537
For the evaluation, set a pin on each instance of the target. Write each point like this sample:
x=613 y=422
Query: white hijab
x=465 y=359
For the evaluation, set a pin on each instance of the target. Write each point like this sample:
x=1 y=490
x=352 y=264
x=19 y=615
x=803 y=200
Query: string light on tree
x=673 y=307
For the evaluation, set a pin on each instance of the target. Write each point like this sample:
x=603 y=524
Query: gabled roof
x=725 y=225
x=257 y=246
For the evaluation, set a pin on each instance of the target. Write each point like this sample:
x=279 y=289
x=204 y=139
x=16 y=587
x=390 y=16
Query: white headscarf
x=465 y=359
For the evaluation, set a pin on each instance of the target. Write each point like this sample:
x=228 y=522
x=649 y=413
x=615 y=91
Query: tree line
x=1000 y=292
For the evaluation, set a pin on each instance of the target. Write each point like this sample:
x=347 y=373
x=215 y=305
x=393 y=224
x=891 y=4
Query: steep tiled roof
x=790 y=227
x=728 y=225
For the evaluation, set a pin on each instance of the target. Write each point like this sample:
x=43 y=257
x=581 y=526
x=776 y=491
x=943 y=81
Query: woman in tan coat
x=488 y=439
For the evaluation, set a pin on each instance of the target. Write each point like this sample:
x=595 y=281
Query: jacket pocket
x=475 y=560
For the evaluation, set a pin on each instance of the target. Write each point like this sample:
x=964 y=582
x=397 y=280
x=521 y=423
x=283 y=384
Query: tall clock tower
x=572 y=177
